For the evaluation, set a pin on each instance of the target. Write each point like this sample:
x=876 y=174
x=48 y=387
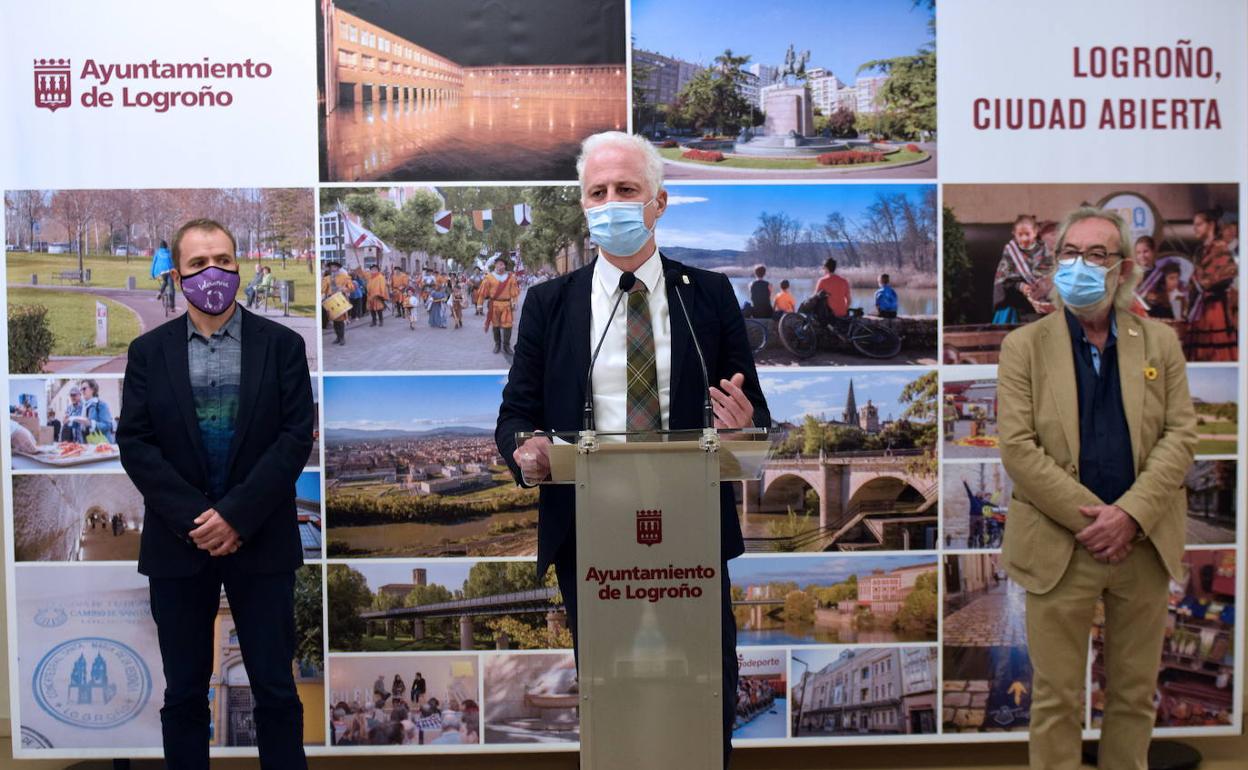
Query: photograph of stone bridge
x=857 y=470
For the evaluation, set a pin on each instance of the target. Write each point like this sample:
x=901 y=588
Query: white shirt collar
x=650 y=273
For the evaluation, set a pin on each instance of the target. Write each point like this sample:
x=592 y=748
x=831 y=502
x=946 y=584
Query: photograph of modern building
x=417 y=92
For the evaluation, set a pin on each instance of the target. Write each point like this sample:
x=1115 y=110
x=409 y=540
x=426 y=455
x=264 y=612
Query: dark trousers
x=566 y=573
x=263 y=609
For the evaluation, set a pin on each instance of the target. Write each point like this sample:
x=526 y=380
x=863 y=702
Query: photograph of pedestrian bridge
x=423 y=91
x=857 y=469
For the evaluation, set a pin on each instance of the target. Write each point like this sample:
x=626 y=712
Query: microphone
x=675 y=277
x=627 y=281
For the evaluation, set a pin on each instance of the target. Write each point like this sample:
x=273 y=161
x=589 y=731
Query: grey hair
x=1124 y=297
x=653 y=160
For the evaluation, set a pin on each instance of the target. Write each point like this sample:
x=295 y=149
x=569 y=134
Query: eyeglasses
x=1094 y=256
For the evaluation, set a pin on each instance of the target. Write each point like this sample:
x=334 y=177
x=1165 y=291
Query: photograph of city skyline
x=477 y=90
x=798 y=90
x=411 y=469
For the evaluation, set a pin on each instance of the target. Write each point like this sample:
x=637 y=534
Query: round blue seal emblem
x=33 y=739
x=92 y=682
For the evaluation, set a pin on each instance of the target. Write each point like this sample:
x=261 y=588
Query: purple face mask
x=211 y=290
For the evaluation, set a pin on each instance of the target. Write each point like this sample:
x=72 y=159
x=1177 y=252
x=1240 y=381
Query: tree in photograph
x=909 y=94
x=348 y=597
x=410 y=228
x=918 y=610
x=958 y=289
x=812 y=436
x=122 y=212
x=921 y=398
x=841 y=124
x=558 y=224
x=309 y=647
x=774 y=240
x=74 y=210
x=28 y=208
x=836 y=230
x=289 y=213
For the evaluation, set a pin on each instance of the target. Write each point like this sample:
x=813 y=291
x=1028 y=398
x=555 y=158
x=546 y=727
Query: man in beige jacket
x=1097 y=433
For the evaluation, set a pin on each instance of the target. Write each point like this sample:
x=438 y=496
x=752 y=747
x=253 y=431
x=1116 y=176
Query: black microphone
x=627 y=281
x=674 y=277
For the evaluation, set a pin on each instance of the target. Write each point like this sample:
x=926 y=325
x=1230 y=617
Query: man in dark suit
x=647 y=376
x=216 y=426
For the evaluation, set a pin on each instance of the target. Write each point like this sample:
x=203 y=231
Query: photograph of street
x=842 y=599
x=87 y=270
x=856 y=470
x=797 y=90
x=443 y=605
x=987 y=673
x=417 y=90
x=969 y=414
x=864 y=691
x=411 y=469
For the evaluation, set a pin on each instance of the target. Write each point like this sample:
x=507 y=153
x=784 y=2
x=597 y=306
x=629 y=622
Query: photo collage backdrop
x=871 y=604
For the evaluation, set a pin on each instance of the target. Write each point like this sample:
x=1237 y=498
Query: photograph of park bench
x=373 y=702
x=987 y=673
x=799 y=89
x=864 y=691
x=1211 y=502
x=411 y=469
x=999 y=257
x=1196 y=676
x=531 y=698
x=463 y=604
x=973 y=504
x=856 y=470
x=86 y=268
x=480 y=90
x=841 y=599
x=64 y=423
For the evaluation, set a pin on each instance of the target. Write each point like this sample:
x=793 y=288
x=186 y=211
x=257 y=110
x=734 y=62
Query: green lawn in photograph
x=72 y=317
x=901 y=156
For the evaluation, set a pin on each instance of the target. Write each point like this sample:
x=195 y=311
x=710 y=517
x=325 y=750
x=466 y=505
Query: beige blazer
x=1038 y=423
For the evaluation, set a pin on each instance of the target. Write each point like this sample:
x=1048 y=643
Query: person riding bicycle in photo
x=162 y=269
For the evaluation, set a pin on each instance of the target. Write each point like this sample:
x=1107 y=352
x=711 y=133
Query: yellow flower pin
x=1150 y=373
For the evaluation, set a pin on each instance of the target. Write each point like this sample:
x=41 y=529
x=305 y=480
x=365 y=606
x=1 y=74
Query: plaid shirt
x=216 y=364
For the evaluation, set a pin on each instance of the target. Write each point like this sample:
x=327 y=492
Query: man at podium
x=637 y=383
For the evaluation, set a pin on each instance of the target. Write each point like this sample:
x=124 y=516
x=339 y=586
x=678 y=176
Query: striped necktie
x=643 y=373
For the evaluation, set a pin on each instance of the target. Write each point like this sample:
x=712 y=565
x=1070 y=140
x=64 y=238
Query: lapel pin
x=684 y=278
x=1133 y=332
x=1150 y=373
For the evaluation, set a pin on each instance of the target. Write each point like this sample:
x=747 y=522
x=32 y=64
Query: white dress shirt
x=610 y=379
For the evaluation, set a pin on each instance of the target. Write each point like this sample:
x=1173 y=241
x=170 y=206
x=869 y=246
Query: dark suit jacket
x=546 y=386
x=164 y=456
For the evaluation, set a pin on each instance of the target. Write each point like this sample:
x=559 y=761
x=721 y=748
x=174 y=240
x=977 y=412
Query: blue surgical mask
x=1080 y=284
x=619 y=227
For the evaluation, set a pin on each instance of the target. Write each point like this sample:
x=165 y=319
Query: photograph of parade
x=416 y=91
x=799 y=89
x=864 y=691
x=90 y=270
x=844 y=599
x=411 y=469
x=973 y=504
x=969 y=414
x=1000 y=242
x=57 y=423
x=93 y=647
x=76 y=517
x=531 y=698
x=1196 y=678
x=1211 y=502
x=373 y=703
x=461 y=604
x=987 y=673
x=823 y=275
x=856 y=470
x=762 y=695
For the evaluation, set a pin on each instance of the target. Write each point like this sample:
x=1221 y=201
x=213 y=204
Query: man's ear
x=660 y=203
